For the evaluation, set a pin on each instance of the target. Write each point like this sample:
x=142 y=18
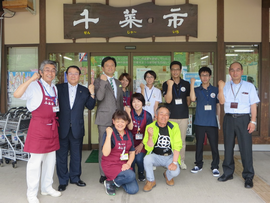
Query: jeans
x=139 y=161
x=153 y=159
x=127 y=179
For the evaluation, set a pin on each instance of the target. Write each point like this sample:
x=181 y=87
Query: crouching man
x=163 y=143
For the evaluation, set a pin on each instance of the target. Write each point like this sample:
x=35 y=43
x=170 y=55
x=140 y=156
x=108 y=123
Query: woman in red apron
x=42 y=137
x=140 y=119
x=125 y=80
x=118 y=154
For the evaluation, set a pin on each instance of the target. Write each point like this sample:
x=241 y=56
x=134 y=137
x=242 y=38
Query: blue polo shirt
x=206 y=97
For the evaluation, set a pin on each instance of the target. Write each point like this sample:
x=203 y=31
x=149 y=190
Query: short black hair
x=121 y=114
x=205 y=69
x=176 y=63
x=73 y=66
x=151 y=73
x=107 y=59
x=138 y=96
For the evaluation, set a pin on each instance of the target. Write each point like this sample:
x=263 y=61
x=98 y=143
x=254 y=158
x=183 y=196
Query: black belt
x=166 y=154
x=236 y=115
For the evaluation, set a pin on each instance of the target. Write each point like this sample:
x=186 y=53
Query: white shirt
x=72 y=90
x=156 y=96
x=34 y=96
x=245 y=97
x=114 y=84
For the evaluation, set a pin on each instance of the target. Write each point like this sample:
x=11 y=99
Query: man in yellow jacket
x=163 y=143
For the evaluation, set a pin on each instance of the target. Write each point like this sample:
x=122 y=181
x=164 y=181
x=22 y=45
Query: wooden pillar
x=220 y=67
x=42 y=32
x=264 y=76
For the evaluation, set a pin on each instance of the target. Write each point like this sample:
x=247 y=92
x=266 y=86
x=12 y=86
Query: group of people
x=133 y=128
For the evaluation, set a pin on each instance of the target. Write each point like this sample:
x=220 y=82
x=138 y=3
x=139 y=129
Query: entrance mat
x=93 y=157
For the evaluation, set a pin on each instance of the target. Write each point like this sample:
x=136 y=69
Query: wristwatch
x=175 y=162
x=253 y=122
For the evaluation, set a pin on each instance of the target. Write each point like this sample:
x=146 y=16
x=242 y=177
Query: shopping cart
x=14 y=125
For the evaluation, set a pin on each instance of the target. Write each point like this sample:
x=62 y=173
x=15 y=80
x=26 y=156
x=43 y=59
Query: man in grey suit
x=109 y=97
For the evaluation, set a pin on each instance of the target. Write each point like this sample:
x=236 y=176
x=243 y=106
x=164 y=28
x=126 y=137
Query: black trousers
x=212 y=135
x=75 y=147
x=237 y=127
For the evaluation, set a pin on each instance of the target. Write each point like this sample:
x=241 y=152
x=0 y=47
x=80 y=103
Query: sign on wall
x=145 y=20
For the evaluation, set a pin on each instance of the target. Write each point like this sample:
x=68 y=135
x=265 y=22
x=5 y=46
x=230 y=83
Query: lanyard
x=150 y=94
x=207 y=98
x=236 y=92
x=126 y=97
x=176 y=93
x=54 y=100
x=137 y=121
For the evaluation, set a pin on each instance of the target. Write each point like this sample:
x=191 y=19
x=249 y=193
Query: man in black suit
x=73 y=97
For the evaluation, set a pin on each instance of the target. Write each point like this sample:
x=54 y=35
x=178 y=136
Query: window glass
x=22 y=63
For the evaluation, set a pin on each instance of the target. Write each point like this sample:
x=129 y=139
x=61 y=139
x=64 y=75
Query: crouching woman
x=118 y=154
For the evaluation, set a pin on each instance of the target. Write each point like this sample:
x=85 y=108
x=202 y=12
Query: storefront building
x=226 y=31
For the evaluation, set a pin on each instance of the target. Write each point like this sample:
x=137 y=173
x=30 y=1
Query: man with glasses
x=42 y=137
x=205 y=119
x=73 y=97
x=240 y=105
x=176 y=93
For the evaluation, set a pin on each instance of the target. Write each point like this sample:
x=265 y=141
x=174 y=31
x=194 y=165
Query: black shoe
x=248 y=183
x=224 y=178
x=141 y=177
x=102 y=178
x=79 y=183
x=109 y=187
x=62 y=188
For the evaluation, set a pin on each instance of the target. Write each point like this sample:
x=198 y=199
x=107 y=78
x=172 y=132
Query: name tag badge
x=139 y=136
x=124 y=157
x=148 y=103
x=178 y=101
x=55 y=108
x=234 y=105
x=207 y=107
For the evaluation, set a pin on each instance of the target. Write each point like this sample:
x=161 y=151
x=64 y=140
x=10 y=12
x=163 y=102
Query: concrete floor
x=200 y=188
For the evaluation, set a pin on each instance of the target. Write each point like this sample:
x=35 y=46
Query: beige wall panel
x=122 y=3
x=23 y=28
x=207 y=21
x=169 y=2
x=90 y=1
x=242 y=19
x=55 y=21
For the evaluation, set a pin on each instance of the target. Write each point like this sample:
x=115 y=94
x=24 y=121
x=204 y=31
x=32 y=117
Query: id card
x=207 y=107
x=55 y=108
x=139 y=136
x=234 y=105
x=124 y=157
x=148 y=103
x=178 y=101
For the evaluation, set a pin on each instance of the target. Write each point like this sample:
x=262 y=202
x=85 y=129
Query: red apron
x=126 y=99
x=41 y=137
x=142 y=125
x=112 y=165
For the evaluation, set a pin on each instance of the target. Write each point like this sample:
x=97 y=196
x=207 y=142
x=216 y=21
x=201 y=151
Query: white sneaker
x=32 y=199
x=215 y=172
x=183 y=165
x=196 y=169
x=52 y=193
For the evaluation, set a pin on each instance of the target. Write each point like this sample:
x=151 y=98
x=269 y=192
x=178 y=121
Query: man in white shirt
x=42 y=137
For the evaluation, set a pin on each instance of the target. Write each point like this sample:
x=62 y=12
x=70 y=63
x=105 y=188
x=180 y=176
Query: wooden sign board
x=145 y=20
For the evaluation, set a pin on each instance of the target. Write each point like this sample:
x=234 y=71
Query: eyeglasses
x=205 y=75
x=149 y=76
x=175 y=69
x=49 y=71
x=75 y=74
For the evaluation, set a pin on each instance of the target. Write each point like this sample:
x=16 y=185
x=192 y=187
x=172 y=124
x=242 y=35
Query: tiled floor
x=201 y=187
